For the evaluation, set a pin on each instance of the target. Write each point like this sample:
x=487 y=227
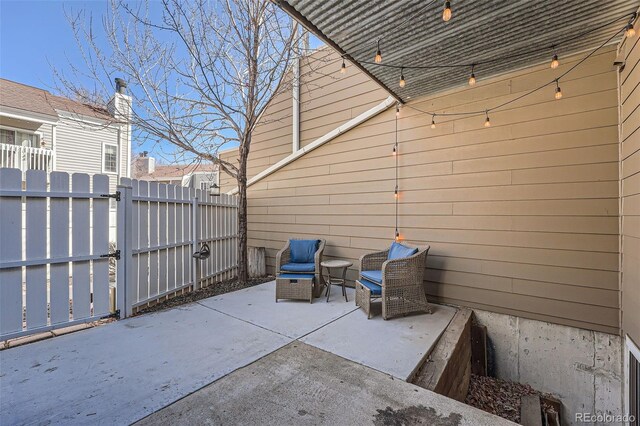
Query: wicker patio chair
x=401 y=285
x=290 y=290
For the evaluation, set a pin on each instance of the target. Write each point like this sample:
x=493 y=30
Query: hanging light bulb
x=378 y=57
x=554 y=61
x=472 y=79
x=446 y=13
x=629 y=30
x=395 y=150
x=397 y=236
x=395 y=193
x=487 y=122
x=558 y=91
x=402 y=81
x=343 y=69
x=397 y=110
x=433 y=121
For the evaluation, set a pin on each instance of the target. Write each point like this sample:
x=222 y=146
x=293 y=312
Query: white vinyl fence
x=56 y=274
x=54 y=246
x=160 y=227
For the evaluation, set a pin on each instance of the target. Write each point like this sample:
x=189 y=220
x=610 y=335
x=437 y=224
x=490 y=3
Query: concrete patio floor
x=121 y=372
x=302 y=385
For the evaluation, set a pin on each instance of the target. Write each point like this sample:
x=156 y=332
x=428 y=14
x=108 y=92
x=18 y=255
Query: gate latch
x=115 y=254
x=115 y=196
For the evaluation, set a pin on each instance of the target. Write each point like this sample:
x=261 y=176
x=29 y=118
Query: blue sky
x=35 y=34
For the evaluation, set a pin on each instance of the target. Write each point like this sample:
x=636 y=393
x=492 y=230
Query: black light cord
x=397 y=192
x=502 y=58
x=502 y=105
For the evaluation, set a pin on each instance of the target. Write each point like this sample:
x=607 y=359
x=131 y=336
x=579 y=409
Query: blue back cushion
x=303 y=251
x=398 y=251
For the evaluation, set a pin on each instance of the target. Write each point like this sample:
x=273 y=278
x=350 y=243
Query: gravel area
x=203 y=293
x=499 y=397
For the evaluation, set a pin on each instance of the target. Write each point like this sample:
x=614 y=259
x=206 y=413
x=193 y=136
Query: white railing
x=26 y=158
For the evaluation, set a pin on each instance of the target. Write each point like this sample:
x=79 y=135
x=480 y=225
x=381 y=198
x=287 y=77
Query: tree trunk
x=243 y=268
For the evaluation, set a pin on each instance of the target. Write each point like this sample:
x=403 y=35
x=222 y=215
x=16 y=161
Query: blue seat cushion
x=297 y=276
x=398 y=251
x=299 y=267
x=303 y=251
x=375 y=289
x=374 y=276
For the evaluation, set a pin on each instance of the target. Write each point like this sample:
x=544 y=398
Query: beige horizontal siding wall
x=522 y=217
x=630 y=176
x=328 y=99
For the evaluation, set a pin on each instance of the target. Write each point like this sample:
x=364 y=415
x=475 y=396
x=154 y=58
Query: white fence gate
x=54 y=246
x=159 y=228
x=56 y=273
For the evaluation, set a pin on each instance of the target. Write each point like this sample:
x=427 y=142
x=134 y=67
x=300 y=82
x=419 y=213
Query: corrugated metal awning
x=517 y=33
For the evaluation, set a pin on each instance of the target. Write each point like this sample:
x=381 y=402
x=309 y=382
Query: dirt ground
x=499 y=397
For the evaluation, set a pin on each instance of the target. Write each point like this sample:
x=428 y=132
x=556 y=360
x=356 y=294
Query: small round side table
x=340 y=270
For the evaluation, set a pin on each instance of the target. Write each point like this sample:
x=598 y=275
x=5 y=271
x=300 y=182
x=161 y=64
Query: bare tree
x=202 y=73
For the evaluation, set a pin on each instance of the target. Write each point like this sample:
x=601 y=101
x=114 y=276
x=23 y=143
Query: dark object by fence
x=203 y=253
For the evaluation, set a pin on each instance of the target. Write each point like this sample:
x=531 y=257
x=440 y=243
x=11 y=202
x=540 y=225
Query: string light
x=402 y=80
x=472 y=79
x=446 y=13
x=558 y=91
x=343 y=69
x=395 y=193
x=629 y=30
x=378 y=57
x=554 y=62
x=397 y=236
x=433 y=121
x=395 y=150
x=397 y=110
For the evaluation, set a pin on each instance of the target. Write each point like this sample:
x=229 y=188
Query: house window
x=109 y=158
x=21 y=138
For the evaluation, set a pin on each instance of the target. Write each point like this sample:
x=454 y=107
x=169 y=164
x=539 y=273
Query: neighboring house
x=42 y=131
x=195 y=175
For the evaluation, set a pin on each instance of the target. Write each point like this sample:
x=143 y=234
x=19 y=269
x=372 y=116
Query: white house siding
x=79 y=149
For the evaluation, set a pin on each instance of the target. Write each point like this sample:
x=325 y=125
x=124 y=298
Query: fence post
x=195 y=264
x=124 y=277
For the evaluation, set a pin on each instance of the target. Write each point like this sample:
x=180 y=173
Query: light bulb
x=402 y=81
x=472 y=79
x=395 y=150
x=554 y=62
x=378 y=57
x=397 y=110
x=343 y=69
x=630 y=31
x=558 y=92
x=446 y=13
x=397 y=236
x=433 y=123
x=487 y=122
